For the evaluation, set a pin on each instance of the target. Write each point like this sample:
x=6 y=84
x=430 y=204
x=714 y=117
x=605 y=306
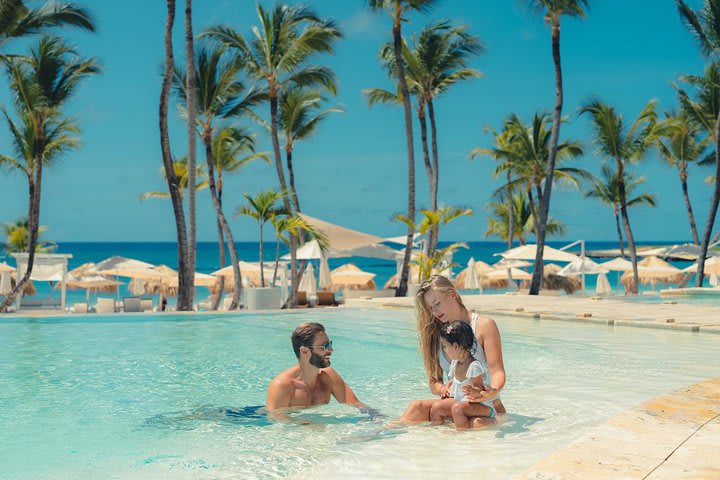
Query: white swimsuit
x=474 y=369
x=476 y=351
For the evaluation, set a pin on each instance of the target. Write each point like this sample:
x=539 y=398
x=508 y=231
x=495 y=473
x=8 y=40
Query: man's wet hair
x=304 y=335
x=458 y=332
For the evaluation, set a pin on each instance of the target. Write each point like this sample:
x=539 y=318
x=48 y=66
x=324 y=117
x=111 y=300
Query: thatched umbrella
x=412 y=277
x=250 y=275
x=462 y=278
x=552 y=281
x=652 y=271
x=498 y=278
x=350 y=277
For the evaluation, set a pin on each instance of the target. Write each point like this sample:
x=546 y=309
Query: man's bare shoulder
x=331 y=374
x=285 y=378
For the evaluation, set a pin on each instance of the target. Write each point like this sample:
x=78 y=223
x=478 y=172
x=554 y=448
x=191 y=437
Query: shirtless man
x=312 y=380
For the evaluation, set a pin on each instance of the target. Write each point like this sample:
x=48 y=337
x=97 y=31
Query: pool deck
x=674 y=436
x=669 y=314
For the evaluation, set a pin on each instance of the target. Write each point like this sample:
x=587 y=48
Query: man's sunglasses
x=325 y=346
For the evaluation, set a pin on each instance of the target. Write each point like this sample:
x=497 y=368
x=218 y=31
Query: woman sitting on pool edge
x=436 y=304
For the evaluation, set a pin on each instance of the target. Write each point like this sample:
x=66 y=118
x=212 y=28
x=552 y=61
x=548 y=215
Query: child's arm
x=445 y=393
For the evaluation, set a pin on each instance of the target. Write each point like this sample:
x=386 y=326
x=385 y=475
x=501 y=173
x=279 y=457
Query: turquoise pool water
x=146 y=397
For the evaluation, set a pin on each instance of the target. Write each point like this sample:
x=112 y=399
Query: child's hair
x=459 y=333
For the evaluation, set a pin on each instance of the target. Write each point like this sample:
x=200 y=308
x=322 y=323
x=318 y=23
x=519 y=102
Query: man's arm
x=279 y=396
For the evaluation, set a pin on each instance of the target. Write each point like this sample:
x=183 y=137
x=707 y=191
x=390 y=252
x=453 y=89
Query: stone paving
x=674 y=436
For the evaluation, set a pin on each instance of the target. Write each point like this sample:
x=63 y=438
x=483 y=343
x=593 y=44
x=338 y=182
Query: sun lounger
x=105 y=305
x=132 y=304
x=325 y=299
x=80 y=308
x=302 y=300
x=146 y=304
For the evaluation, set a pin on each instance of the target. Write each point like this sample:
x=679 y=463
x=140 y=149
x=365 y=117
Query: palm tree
x=18 y=20
x=189 y=273
x=519 y=217
x=682 y=145
x=180 y=168
x=436 y=60
x=42 y=82
x=277 y=55
x=184 y=302
x=552 y=11
x=263 y=208
x=623 y=145
x=218 y=95
x=298 y=121
x=528 y=149
x=607 y=190
x=18 y=238
x=397 y=9
x=705 y=25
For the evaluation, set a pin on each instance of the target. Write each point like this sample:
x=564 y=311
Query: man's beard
x=319 y=361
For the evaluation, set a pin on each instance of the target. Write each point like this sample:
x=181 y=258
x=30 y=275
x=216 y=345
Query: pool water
x=176 y=397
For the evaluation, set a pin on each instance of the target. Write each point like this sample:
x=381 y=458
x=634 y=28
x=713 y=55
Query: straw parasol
x=250 y=275
x=712 y=266
x=553 y=281
x=463 y=278
x=412 y=277
x=618 y=264
x=498 y=278
x=652 y=271
x=350 y=277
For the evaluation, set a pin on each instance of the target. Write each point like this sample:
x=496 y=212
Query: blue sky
x=353 y=170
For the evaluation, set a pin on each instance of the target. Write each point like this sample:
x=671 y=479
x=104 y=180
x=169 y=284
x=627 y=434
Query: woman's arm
x=491 y=343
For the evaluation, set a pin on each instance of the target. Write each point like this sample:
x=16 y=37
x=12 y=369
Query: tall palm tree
x=397 y=10
x=41 y=83
x=519 y=217
x=680 y=146
x=189 y=273
x=180 y=167
x=218 y=94
x=705 y=25
x=263 y=207
x=607 y=191
x=552 y=11
x=436 y=60
x=18 y=238
x=298 y=120
x=18 y=20
x=278 y=56
x=623 y=145
x=184 y=303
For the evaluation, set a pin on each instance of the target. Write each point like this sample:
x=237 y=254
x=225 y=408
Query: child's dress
x=474 y=369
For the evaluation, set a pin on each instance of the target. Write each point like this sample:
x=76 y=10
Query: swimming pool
x=147 y=396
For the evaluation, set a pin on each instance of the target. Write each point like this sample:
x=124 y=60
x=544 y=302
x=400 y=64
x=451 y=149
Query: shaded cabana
x=47 y=267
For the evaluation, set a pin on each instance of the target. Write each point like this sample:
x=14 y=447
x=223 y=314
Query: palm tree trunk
x=291 y=176
x=422 y=119
x=237 y=287
x=511 y=223
x=183 y=303
x=628 y=231
x=554 y=136
x=294 y=279
x=221 y=249
x=619 y=232
x=277 y=258
x=688 y=205
x=262 y=269
x=397 y=45
x=191 y=104
x=33 y=230
x=531 y=201
x=436 y=172
x=700 y=276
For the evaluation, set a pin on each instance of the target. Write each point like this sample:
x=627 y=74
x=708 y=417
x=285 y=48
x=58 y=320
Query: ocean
x=158 y=253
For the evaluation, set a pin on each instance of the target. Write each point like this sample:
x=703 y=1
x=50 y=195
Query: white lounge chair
x=132 y=304
x=105 y=305
x=80 y=308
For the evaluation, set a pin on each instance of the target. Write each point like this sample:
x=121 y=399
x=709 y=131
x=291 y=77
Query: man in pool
x=312 y=380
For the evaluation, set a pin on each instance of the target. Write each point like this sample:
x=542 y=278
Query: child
x=457 y=340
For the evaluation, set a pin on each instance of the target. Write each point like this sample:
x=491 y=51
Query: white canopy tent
x=47 y=267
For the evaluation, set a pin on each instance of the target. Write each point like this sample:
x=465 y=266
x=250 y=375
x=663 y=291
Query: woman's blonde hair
x=429 y=325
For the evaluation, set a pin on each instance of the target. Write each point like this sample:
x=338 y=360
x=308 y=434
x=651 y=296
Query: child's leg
x=418 y=411
x=461 y=412
x=441 y=410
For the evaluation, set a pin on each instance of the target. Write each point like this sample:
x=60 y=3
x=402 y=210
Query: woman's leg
x=418 y=411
